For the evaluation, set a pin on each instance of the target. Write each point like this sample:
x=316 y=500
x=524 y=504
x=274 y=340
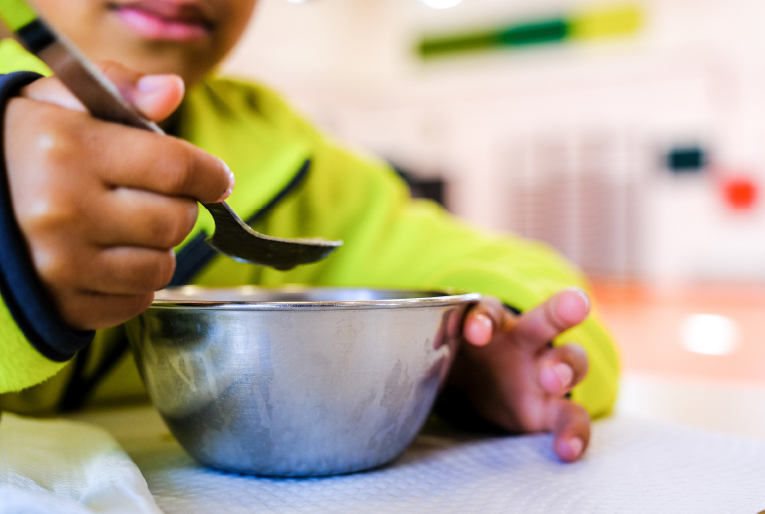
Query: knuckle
x=56 y=267
x=58 y=138
x=52 y=151
x=49 y=214
x=46 y=128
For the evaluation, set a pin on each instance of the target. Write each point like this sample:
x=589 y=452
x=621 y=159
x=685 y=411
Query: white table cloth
x=64 y=467
x=632 y=466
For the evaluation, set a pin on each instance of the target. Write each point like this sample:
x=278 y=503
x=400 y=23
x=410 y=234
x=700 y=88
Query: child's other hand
x=101 y=205
x=514 y=379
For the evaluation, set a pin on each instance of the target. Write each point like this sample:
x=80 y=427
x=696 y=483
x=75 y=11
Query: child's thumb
x=156 y=96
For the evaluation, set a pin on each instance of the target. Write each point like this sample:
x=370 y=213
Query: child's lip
x=165 y=19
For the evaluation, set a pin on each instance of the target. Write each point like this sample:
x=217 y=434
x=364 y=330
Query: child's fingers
x=562 y=368
x=118 y=270
x=542 y=324
x=88 y=310
x=570 y=425
x=155 y=96
x=157 y=221
x=121 y=156
x=482 y=319
x=130 y=270
x=164 y=165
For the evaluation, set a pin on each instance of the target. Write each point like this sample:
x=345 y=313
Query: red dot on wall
x=740 y=193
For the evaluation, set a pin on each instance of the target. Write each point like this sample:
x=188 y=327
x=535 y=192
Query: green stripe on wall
x=550 y=31
x=606 y=22
x=462 y=43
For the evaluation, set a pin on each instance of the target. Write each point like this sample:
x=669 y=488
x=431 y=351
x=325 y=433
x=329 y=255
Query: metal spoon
x=232 y=236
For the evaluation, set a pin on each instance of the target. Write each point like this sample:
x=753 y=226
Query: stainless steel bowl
x=296 y=381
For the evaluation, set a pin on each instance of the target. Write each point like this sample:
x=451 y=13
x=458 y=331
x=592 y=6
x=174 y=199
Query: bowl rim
x=429 y=298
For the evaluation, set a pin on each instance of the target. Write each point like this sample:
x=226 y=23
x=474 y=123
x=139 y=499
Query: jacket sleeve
x=34 y=341
x=394 y=241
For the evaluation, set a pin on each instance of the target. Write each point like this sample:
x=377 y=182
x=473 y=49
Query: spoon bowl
x=234 y=238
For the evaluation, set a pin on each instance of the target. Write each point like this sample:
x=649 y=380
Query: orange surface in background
x=645 y=321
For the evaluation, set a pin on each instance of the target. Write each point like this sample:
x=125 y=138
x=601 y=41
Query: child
x=97 y=216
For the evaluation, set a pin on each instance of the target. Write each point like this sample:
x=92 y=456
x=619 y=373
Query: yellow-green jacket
x=293 y=181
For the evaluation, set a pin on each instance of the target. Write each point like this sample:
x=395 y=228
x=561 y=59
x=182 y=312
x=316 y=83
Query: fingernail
x=575 y=446
x=151 y=83
x=225 y=195
x=584 y=296
x=231 y=182
x=564 y=373
x=231 y=178
x=484 y=320
x=480 y=330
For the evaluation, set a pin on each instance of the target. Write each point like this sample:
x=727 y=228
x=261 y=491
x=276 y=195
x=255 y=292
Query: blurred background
x=629 y=135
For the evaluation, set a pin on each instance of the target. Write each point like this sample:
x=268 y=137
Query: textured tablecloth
x=58 y=466
x=632 y=466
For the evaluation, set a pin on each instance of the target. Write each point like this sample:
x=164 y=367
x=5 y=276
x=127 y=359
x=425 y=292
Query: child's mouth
x=164 y=19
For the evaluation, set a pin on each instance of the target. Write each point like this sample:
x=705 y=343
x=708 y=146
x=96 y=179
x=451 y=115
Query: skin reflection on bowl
x=296 y=382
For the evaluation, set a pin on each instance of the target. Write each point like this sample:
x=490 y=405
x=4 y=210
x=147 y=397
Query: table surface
x=688 y=436
x=633 y=466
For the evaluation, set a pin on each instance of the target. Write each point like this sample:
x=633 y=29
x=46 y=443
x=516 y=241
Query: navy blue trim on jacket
x=21 y=289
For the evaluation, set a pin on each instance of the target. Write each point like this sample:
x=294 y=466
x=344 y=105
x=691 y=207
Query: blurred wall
x=564 y=142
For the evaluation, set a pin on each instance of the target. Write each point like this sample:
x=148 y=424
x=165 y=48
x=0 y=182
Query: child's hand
x=101 y=205
x=514 y=379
